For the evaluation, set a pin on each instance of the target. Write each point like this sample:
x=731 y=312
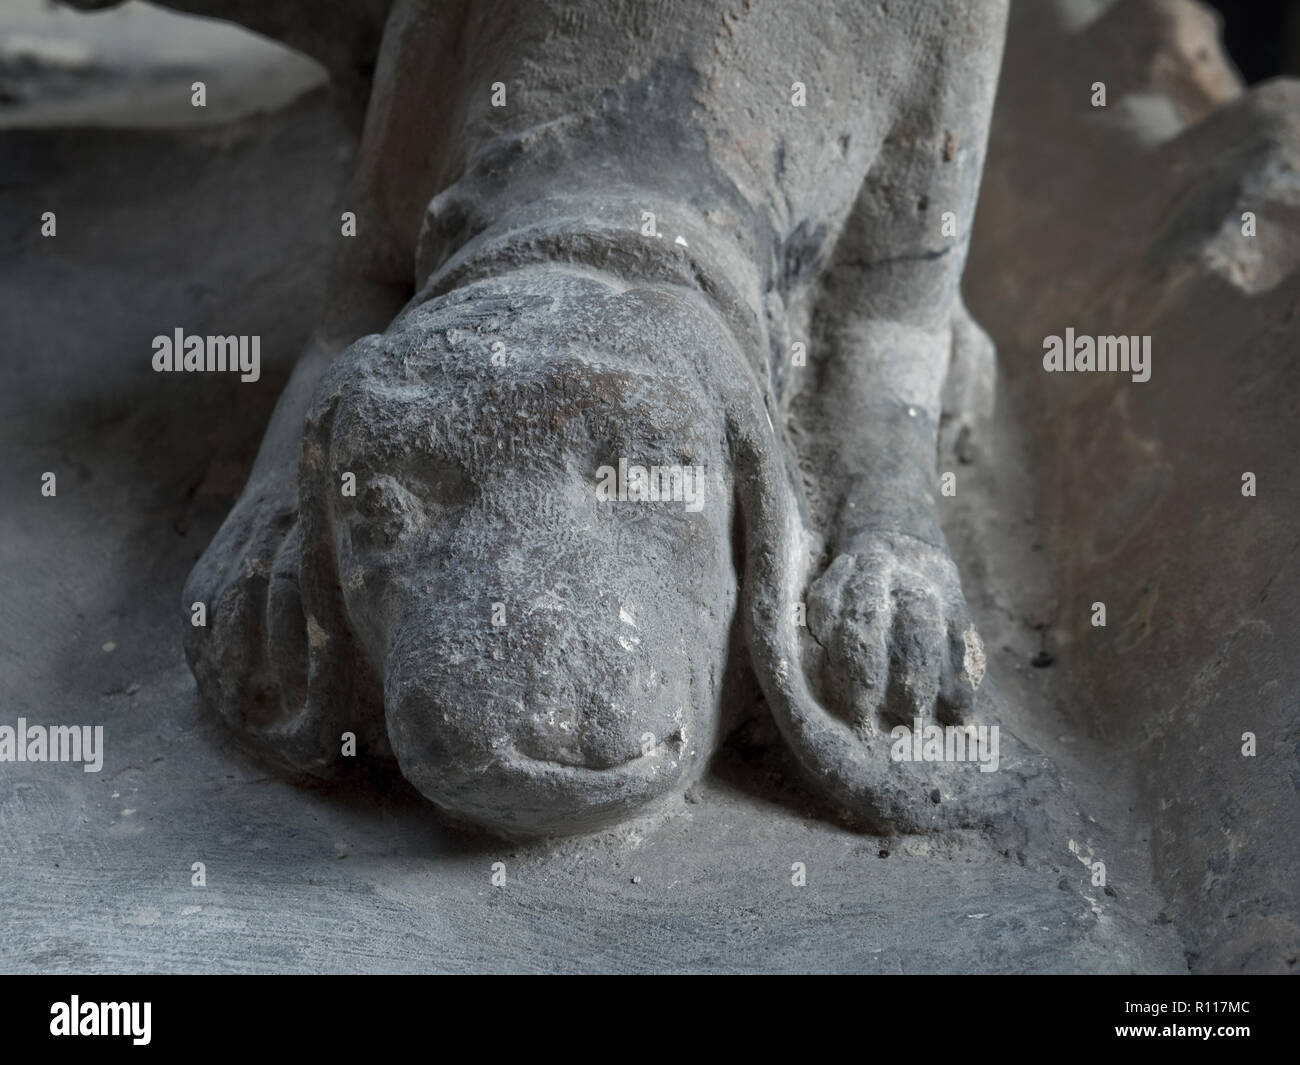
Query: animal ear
x=327 y=683
x=779 y=554
x=276 y=656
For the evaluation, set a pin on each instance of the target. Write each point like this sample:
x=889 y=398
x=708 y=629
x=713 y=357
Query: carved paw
x=896 y=644
x=887 y=643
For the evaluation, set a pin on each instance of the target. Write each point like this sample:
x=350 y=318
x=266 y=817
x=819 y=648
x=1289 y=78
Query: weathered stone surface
x=357 y=877
x=343 y=35
x=1129 y=220
x=134 y=68
x=646 y=343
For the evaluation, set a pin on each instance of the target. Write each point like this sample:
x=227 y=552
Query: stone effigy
x=681 y=238
x=574 y=475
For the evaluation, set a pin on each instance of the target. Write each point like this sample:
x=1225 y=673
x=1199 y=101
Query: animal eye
x=385 y=512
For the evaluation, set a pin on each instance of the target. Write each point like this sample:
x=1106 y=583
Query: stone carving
x=605 y=235
x=392 y=572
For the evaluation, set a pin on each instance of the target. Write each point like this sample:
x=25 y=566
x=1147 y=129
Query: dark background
x=1262 y=36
